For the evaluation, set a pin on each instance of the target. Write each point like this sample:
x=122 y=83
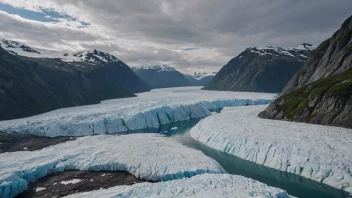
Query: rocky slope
x=321 y=92
x=161 y=76
x=261 y=69
x=33 y=85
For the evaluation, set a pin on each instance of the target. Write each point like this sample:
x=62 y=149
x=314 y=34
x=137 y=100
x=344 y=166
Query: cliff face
x=333 y=56
x=321 y=92
x=264 y=69
x=30 y=86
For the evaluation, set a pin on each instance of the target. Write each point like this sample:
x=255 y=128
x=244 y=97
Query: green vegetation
x=345 y=49
x=293 y=103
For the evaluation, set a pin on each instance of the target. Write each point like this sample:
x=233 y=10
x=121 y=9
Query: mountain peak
x=299 y=51
x=200 y=75
x=158 y=68
x=305 y=46
x=93 y=57
x=13 y=46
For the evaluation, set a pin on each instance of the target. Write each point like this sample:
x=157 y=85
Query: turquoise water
x=295 y=185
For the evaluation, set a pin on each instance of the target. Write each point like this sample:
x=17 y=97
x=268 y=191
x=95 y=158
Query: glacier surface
x=147 y=156
x=149 y=109
x=317 y=152
x=207 y=185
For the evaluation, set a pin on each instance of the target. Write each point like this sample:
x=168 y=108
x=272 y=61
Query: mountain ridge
x=260 y=69
x=94 y=56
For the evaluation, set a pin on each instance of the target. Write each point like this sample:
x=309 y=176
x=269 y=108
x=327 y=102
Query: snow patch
x=73 y=181
x=38 y=189
x=320 y=153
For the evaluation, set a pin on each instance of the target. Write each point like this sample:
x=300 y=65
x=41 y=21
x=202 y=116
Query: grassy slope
x=297 y=101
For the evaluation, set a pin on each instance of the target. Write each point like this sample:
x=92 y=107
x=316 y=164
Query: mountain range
x=261 y=69
x=163 y=76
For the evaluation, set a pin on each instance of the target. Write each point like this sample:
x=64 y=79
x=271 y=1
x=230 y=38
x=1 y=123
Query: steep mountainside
x=161 y=76
x=261 y=69
x=321 y=92
x=31 y=86
x=123 y=74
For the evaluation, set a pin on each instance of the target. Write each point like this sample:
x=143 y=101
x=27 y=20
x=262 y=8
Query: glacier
x=320 y=153
x=206 y=185
x=151 y=157
x=149 y=109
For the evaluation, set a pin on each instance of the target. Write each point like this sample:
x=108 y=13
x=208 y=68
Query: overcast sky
x=192 y=35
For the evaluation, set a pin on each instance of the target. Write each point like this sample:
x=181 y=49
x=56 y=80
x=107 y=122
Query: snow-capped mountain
x=200 y=75
x=15 y=47
x=157 y=68
x=261 y=69
x=92 y=57
x=301 y=52
x=161 y=76
x=200 y=79
x=49 y=80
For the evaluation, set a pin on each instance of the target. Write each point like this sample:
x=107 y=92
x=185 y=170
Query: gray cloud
x=155 y=31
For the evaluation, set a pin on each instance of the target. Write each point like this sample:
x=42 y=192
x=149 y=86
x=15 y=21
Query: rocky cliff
x=321 y=92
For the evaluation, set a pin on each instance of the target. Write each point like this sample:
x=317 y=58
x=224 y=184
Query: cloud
x=162 y=31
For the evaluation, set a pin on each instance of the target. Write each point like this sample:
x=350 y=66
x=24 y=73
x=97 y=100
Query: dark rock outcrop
x=321 y=92
x=265 y=69
x=54 y=185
